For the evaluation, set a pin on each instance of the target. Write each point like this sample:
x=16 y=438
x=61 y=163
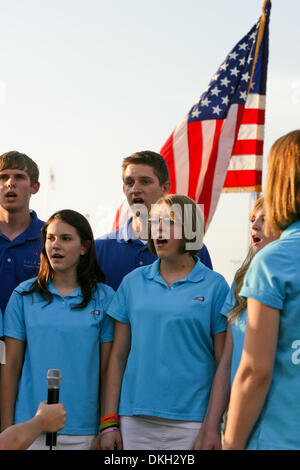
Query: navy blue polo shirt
x=19 y=258
x=118 y=254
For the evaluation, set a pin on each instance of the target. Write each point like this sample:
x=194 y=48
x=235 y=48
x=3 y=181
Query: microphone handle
x=53 y=397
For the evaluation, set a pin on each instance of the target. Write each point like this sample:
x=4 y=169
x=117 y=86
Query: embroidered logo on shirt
x=201 y=299
x=31 y=263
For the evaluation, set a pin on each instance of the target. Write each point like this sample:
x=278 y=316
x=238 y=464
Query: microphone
x=53 y=379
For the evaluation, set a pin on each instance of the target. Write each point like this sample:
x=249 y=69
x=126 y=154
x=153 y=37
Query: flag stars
x=215 y=77
x=230 y=84
x=215 y=91
x=225 y=100
x=205 y=102
x=224 y=66
x=225 y=81
x=234 y=71
x=243 y=46
x=233 y=55
x=216 y=109
x=196 y=113
x=245 y=76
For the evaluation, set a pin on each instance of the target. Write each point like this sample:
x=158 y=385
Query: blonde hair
x=192 y=222
x=240 y=303
x=282 y=193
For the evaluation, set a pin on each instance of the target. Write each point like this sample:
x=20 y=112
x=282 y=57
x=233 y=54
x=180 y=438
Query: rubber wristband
x=109 y=430
x=106 y=417
x=108 y=425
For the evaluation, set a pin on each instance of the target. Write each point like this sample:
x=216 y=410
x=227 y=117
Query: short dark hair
x=19 y=161
x=153 y=159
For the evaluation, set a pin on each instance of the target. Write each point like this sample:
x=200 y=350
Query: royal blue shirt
x=118 y=254
x=171 y=363
x=19 y=258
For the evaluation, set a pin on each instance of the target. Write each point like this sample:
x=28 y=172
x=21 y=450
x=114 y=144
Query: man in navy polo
x=20 y=229
x=145 y=179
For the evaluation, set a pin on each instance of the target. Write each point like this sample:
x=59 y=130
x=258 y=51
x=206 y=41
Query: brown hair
x=240 y=303
x=181 y=204
x=19 y=161
x=153 y=159
x=88 y=270
x=282 y=192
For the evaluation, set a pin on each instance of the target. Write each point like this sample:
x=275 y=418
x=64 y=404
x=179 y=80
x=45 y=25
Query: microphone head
x=54 y=377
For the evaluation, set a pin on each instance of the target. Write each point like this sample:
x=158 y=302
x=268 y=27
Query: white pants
x=64 y=442
x=146 y=433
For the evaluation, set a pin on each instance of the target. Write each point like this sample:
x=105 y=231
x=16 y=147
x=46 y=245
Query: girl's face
x=258 y=236
x=63 y=246
x=166 y=232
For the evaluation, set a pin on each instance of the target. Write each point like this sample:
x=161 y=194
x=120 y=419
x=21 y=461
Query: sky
x=85 y=83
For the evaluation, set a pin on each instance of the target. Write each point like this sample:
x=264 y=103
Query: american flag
x=218 y=146
x=219 y=143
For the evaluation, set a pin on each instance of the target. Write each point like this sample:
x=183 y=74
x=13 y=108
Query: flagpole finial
x=265 y=3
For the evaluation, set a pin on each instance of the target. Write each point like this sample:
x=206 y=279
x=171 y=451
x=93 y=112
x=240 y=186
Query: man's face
x=16 y=190
x=142 y=186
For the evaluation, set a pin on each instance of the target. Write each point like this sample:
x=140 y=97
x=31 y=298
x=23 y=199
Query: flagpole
x=49 y=187
x=255 y=195
x=259 y=39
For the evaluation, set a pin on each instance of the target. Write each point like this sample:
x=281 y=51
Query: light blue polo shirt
x=273 y=279
x=60 y=338
x=171 y=363
x=238 y=329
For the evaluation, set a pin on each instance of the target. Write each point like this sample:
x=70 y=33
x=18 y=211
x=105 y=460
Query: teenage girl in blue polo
x=58 y=321
x=168 y=337
x=264 y=407
x=235 y=310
